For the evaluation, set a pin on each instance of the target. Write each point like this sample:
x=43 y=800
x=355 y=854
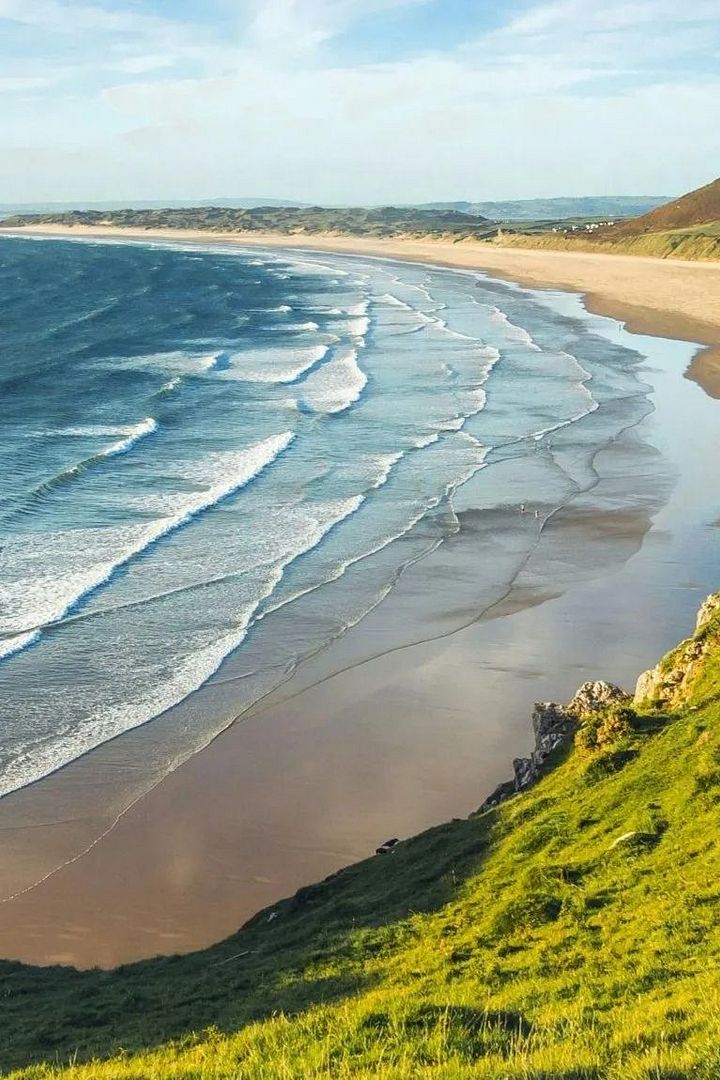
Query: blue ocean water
x=200 y=445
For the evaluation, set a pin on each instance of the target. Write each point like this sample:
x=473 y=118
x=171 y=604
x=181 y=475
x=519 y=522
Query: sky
x=357 y=101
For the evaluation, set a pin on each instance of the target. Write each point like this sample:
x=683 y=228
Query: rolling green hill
x=570 y=932
x=696 y=208
x=685 y=228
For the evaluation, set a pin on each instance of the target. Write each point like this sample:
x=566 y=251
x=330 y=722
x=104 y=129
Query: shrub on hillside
x=606 y=730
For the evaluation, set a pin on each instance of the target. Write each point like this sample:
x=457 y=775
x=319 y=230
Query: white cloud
x=295 y=25
x=566 y=97
x=74 y=18
x=10 y=85
x=613 y=15
x=142 y=64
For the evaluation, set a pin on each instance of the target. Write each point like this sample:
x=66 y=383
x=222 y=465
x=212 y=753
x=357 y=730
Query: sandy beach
x=381 y=736
x=670 y=298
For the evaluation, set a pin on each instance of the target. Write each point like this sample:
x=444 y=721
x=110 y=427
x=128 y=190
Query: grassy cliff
x=570 y=933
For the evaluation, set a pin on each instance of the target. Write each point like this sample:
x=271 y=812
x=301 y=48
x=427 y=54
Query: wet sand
x=374 y=738
x=671 y=298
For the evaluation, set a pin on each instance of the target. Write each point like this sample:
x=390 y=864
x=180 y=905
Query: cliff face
x=554 y=728
x=671 y=681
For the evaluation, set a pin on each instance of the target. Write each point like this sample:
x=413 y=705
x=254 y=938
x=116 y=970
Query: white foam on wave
x=302 y=267
x=514 y=332
x=357 y=309
x=394 y=301
x=384 y=464
x=355 y=327
x=489 y=356
x=335 y=386
x=440 y=325
x=422 y=289
x=176 y=362
x=188 y=673
x=272 y=365
x=134 y=434
x=426 y=440
x=210 y=362
x=584 y=374
x=131 y=433
x=309 y=325
x=52 y=572
x=475 y=461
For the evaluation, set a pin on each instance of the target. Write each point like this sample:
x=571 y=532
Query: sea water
x=214 y=461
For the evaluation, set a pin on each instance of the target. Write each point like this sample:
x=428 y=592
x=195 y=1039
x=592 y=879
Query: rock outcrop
x=593 y=696
x=554 y=727
x=669 y=682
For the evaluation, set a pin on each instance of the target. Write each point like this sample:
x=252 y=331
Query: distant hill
x=684 y=228
x=609 y=207
x=696 y=208
x=9 y=209
x=350 y=221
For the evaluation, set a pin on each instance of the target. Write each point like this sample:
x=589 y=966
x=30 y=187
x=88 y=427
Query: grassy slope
x=684 y=228
x=694 y=208
x=697 y=242
x=521 y=943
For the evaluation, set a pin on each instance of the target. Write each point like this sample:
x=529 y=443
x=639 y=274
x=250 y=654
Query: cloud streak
x=257 y=96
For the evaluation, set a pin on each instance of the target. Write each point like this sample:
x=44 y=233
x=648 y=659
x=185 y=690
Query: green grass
x=527 y=943
x=701 y=242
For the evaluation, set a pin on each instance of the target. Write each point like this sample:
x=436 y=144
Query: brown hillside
x=696 y=208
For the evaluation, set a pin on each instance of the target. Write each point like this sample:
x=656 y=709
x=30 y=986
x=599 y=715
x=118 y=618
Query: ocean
x=215 y=461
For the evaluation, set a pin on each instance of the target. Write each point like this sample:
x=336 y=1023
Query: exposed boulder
x=593 y=696
x=600 y=707
x=498 y=795
x=554 y=727
x=669 y=682
x=709 y=608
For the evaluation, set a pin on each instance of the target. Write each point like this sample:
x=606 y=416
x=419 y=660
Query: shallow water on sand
x=216 y=462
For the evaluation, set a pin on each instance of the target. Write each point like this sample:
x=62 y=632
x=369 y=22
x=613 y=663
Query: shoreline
x=358 y=747
x=675 y=299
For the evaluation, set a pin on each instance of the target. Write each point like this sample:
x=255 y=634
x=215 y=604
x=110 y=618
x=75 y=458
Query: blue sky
x=357 y=100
